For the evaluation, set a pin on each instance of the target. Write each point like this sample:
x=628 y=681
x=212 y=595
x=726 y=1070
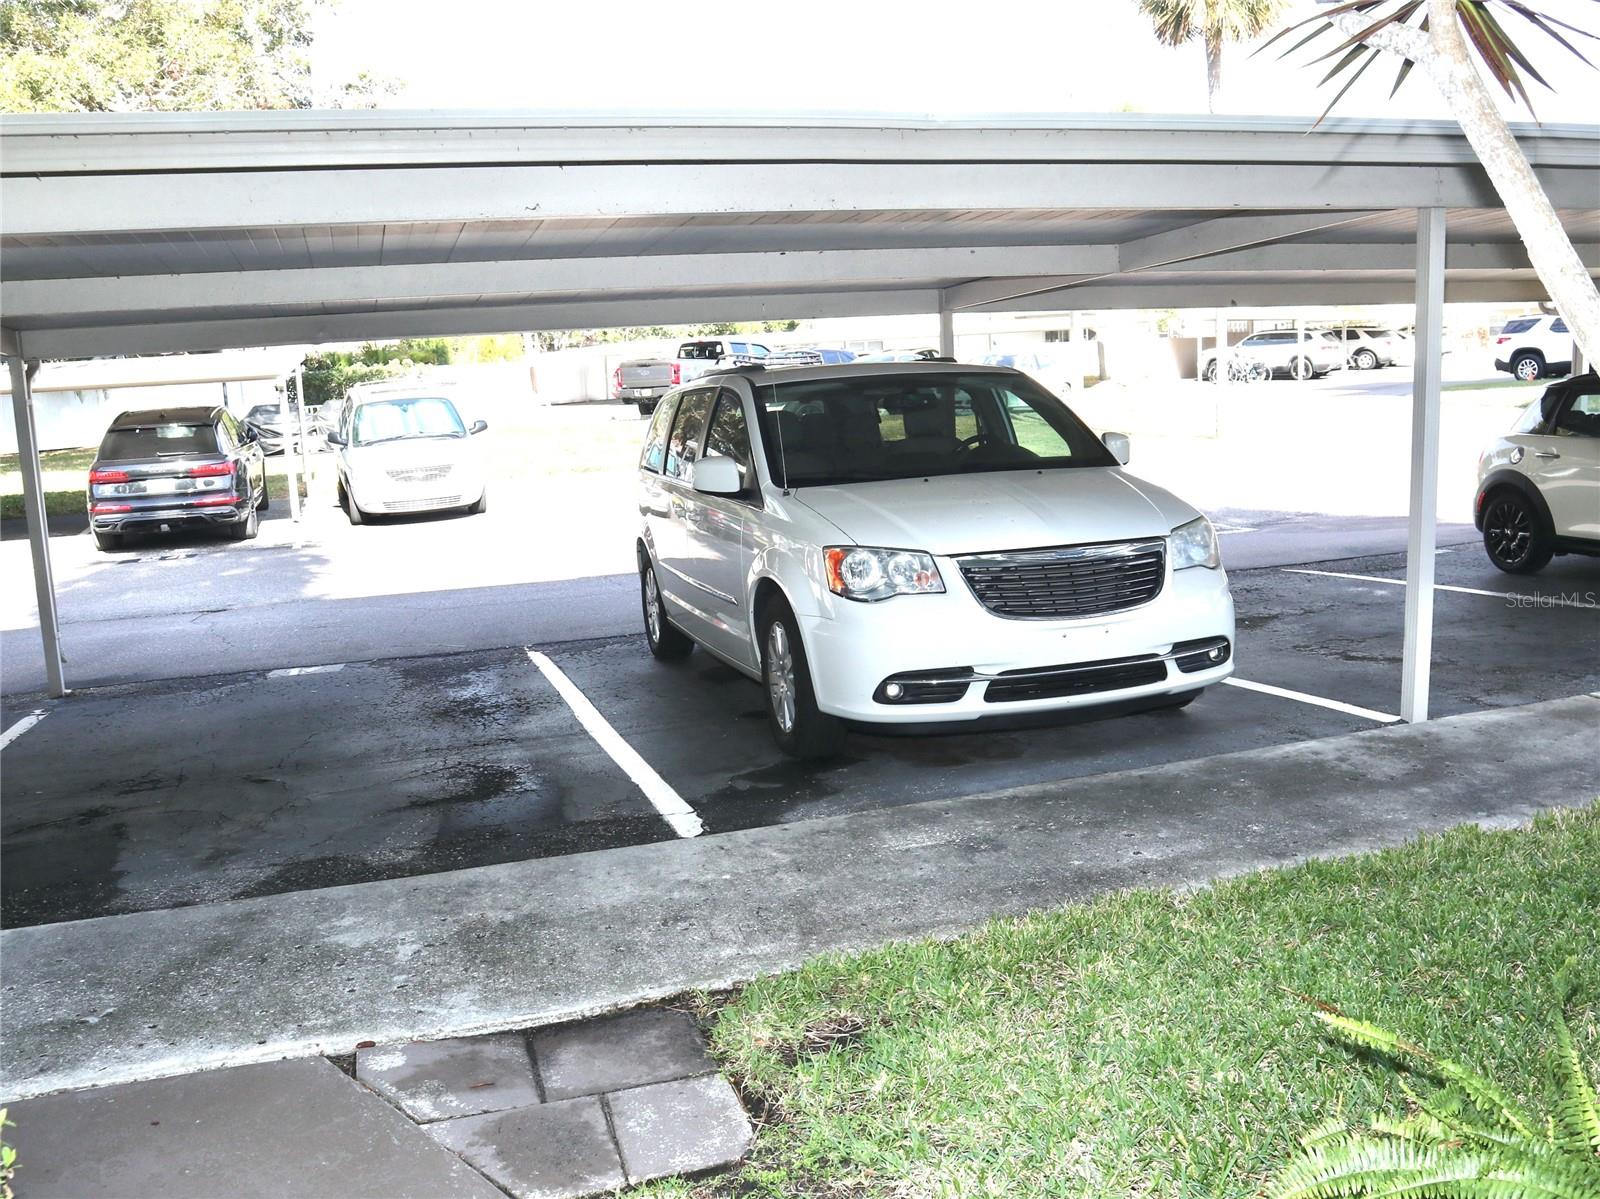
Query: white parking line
x=1302 y=697
x=291 y=671
x=656 y=789
x=1543 y=601
x=22 y=726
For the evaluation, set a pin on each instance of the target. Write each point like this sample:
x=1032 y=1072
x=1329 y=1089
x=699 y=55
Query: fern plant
x=1463 y=1139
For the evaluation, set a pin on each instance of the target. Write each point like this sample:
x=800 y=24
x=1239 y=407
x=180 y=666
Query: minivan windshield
x=869 y=428
x=406 y=416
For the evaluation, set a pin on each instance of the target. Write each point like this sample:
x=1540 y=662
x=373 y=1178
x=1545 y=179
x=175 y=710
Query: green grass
x=1496 y=385
x=1154 y=1043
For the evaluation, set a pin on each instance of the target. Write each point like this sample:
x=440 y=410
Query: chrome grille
x=419 y=474
x=1071 y=580
x=420 y=505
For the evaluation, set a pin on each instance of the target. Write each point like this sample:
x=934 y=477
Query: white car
x=1533 y=347
x=1053 y=374
x=1311 y=355
x=404 y=448
x=1368 y=348
x=1539 y=486
x=919 y=544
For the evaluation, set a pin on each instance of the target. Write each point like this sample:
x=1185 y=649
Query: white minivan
x=919 y=544
x=404 y=448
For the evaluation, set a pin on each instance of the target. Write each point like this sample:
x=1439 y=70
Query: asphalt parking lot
x=203 y=789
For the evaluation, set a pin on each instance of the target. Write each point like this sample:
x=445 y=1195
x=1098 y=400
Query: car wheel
x=265 y=501
x=1365 y=360
x=1171 y=703
x=1513 y=535
x=481 y=506
x=244 y=530
x=108 y=542
x=1528 y=367
x=1209 y=374
x=645 y=409
x=1301 y=369
x=801 y=729
x=667 y=643
x=348 y=502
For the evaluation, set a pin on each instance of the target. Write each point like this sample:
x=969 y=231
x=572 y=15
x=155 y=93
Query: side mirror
x=334 y=438
x=478 y=426
x=1119 y=445
x=717 y=476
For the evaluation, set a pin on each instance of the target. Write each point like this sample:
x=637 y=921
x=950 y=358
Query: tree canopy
x=163 y=56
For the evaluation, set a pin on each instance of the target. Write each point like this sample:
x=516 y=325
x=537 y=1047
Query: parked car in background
x=267 y=421
x=900 y=356
x=645 y=380
x=1539 y=485
x=815 y=356
x=173 y=468
x=1309 y=355
x=919 y=544
x=404 y=448
x=1534 y=347
x=1045 y=369
x=1369 y=348
x=327 y=415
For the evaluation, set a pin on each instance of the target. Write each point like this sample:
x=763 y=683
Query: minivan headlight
x=860 y=572
x=1195 y=544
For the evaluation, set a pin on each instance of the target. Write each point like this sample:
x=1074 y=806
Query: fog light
x=1217 y=653
x=894 y=690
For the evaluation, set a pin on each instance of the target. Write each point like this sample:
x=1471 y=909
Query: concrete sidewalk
x=166 y=992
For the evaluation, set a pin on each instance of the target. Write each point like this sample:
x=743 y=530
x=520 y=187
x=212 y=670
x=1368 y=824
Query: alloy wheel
x=780 y=676
x=1508 y=530
x=652 y=605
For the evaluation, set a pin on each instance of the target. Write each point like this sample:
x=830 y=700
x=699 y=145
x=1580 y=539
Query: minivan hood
x=414 y=451
x=1004 y=510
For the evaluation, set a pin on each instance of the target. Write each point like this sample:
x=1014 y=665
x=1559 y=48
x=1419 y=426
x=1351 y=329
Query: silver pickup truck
x=645 y=380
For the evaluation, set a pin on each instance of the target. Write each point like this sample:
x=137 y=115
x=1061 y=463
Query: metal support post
x=1421 y=540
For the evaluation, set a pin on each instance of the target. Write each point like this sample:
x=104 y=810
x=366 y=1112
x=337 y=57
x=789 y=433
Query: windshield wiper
x=410 y=437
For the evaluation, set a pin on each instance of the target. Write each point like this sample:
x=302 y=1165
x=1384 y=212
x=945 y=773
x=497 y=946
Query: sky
x=860 y=56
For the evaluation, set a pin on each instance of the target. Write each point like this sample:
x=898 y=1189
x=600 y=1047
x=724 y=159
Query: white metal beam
x=1308 y=292
x=44 y=587
x=92 y=204
x=1226 y=233
x=170 y=336
x=1422 y=536
x=40 y=300
x=990 y=291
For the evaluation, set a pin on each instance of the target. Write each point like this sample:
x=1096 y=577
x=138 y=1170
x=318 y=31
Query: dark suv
x=173 y=467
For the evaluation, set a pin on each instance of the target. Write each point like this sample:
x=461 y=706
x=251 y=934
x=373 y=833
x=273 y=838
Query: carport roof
x=150 y=233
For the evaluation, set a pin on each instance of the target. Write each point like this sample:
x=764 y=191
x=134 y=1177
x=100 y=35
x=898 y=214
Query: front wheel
x=1513 y=535
x=801 y=729
x=667 y=643
x=1209 y=374
x=348 y=502
x=482 y=506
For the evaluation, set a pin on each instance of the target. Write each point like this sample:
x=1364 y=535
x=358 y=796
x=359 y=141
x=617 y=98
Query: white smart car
x=919 y=544
x=403 y=448
x=1539 y=485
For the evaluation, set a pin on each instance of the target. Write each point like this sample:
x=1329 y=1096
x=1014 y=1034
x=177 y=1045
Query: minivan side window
x=729 y=437
x=655 y=441
x=684 y=444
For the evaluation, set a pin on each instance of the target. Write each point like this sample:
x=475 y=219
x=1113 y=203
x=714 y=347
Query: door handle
x=1545 y=454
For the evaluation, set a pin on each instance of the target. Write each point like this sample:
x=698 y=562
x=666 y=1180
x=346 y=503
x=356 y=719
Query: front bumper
x=857 y=648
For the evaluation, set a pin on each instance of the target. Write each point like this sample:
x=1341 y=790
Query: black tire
x=246 y=529
x=667 y=642
x=482 y=506
x=1364 y=360
x=348 y=503
x=646 y=407
x=801 y=729
x=1173 y=702
x=265 y=501
x=1301 y=369
x=1209 y=373
x=1514 y=535
x=1528 y=366
x=108 y=543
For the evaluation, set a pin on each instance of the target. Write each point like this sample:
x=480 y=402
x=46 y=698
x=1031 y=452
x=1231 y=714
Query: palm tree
x=1435 y=35
x=1216 y=22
